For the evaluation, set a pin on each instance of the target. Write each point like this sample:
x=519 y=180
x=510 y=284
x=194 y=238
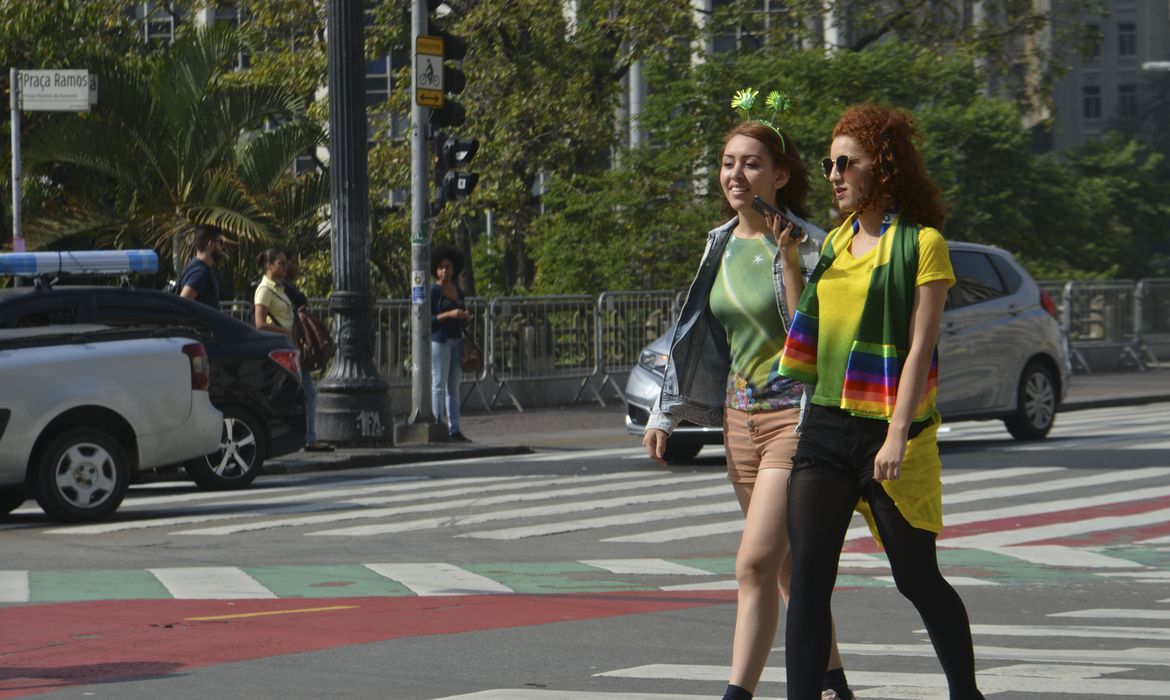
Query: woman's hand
x=654 y=441
x=785 y=239
x=887 y=464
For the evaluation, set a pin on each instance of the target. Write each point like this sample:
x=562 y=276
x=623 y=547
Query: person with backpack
x=198 y=281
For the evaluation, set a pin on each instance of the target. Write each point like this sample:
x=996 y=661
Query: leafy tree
x=171 y=145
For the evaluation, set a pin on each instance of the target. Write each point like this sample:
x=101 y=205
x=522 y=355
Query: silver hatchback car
x=1002 y=355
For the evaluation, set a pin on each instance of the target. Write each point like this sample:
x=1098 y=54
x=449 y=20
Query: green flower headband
x=744 y=102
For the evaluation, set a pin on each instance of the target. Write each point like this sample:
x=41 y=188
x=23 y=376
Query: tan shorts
x=755 y=441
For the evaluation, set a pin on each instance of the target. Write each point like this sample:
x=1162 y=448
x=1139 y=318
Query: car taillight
x=1046 y=302
x=288 y=359
x=200 y=370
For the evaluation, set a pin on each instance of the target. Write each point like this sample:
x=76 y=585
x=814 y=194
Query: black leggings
x=829 y=475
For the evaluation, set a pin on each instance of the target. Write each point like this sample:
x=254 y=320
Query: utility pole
x=353 y=403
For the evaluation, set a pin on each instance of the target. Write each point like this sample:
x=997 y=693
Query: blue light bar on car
x=92 y=262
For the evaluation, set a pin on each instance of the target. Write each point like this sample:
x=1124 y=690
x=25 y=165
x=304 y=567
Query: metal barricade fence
x=550 y=337
x=239 y=309
x=1153 y=318
x=1100 y=321
x=626 y=323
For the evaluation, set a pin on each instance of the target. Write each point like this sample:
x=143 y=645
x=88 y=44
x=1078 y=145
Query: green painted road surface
x=962 y=568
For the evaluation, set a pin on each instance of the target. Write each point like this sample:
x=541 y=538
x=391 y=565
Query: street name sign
x=54 y=90
x=428 y=71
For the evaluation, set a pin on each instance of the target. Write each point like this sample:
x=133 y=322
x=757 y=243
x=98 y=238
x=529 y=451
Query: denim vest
x=695 y=387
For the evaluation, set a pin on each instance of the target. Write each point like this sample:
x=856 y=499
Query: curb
x=342 y=459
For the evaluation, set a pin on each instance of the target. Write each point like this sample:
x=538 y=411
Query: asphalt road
x=583 y=572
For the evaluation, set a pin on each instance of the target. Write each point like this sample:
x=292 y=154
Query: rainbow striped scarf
x=883 y=333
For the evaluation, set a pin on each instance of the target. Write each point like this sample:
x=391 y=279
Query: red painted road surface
x=50 y=647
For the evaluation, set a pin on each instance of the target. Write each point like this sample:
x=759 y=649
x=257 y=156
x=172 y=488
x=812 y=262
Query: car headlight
x=653 y=361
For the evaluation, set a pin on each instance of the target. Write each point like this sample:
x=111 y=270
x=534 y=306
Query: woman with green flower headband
x=723 y=366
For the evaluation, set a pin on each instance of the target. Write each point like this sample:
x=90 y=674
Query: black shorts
x=835 y=439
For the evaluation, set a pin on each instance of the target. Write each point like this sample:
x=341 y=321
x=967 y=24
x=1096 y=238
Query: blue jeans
x=310 y=406
x=446 y=373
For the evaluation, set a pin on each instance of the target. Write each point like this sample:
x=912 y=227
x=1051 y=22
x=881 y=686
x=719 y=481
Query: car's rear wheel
x=82 y=475
x=241 y=454
x=1035 y=404
x=681 y=450
x=10 y=500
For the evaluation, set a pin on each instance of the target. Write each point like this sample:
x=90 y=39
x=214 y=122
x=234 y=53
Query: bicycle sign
x=428 y=71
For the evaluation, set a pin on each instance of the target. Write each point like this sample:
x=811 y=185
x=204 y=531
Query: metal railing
x=595 y=340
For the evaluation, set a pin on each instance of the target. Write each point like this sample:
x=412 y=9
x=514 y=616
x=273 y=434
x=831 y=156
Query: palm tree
x=174 y=144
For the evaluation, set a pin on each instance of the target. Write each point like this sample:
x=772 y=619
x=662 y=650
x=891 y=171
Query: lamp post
x=353 y=405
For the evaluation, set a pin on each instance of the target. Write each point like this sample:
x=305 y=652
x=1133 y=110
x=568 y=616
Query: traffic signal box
x=437 y=82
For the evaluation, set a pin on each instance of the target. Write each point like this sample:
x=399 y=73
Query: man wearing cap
x=198 y=280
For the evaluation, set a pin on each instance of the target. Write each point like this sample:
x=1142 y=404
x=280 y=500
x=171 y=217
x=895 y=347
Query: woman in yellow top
x=271 y=308
x=865 y=333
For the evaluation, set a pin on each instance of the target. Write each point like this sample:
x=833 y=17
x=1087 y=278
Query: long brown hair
x=795 y=191
x=899 y=173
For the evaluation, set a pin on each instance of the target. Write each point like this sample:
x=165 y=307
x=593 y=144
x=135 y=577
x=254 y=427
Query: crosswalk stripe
x=438 y=579
x=997 y=474
x=953 y=580
x=1108 y=477
x=1139 y=656
x=1085 y=631
x=14 y=587
x=563 y=526
x=1004 y=538
x=1001 y=680
x=210 y=583
x=518 y=513
x=645 y=566
x=447 y=506
x=1116 y=614
x=686 y=532
x=535 y=694
x=1056 y=555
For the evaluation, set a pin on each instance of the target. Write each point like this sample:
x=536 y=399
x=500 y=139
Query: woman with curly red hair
x=865 y=334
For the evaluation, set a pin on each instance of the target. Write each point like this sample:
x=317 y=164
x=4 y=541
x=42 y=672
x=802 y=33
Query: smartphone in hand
x=764 y=208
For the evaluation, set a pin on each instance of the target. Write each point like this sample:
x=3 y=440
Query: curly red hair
x=899 y=174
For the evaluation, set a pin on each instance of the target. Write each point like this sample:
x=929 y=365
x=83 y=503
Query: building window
x=1126 y=39
x=1127 y=101
x=1094 y=39
x=158 y=22
x=232 y=14
x=1092 y=101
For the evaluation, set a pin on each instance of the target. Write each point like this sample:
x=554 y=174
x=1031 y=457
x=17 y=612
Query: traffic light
x=451 y=181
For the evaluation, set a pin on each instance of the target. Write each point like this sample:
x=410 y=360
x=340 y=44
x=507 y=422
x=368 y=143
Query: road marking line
x=446 y=506
x=1055 y=530
x=682 y=533
x=438 y=579
x=1107 y=477
x=269 y=612
x=988 y=681
x=1141 y=656
x=1056 y=555
x=557 y=528
x=1088 y=631
x=998 y=474
x=1164 y=575
x=645 y=566
x=519 y=513
x=953 y=580
x=534 y=694
x=1116 y=613
x=726 y=585
x=14 y=587
x=210 y=583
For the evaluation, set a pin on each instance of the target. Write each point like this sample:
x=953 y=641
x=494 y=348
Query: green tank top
x=743 y=300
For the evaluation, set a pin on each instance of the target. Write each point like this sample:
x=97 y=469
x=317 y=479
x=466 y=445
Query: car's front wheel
x=82 y=475
x=241 y=453
x=681 y=450
x=1035 y=404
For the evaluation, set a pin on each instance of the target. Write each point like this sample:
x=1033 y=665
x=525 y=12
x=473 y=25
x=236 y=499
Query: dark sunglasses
x=842 y=163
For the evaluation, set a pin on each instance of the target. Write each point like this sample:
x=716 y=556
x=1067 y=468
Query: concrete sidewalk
x=505 y=431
